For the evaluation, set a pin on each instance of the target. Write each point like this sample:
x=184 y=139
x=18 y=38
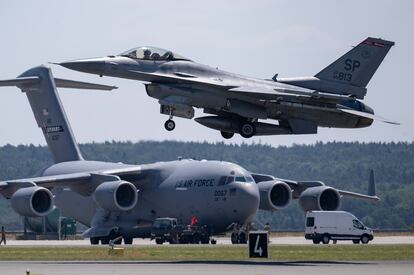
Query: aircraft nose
x=91 y=65
x=250 y=198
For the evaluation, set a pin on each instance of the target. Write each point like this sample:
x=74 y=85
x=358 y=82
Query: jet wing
x=8 y=187
x=183 y=78
x=266 y=93
x=260 y=92
x=299 y=186
x=358 y=195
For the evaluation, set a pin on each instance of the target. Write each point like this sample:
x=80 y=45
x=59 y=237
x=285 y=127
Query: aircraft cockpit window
x=240 y=179
x=249 y=179
x=152 y=53
x=229 y=180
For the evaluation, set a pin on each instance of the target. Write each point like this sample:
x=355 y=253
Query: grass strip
x=369 y=252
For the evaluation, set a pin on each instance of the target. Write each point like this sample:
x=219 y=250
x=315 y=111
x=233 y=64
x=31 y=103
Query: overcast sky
x=254 y=38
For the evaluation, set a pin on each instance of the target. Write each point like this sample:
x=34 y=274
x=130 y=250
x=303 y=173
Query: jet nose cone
x=92 y=65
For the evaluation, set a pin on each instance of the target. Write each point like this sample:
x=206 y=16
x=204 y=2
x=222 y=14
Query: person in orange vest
x=3 y=236
x=194 y=221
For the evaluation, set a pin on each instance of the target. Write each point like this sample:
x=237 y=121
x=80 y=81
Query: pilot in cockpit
x=168 y=56
x=147 y=54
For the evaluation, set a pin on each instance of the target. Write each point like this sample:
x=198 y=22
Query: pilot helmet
x=147 y=53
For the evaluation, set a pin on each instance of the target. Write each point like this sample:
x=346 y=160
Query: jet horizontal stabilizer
x=368 y=115
x=66 y=83
x=32 y=82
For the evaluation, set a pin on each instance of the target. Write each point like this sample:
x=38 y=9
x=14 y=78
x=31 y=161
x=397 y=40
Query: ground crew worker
x=194 y=221
x=267 y=227
x=3 y=236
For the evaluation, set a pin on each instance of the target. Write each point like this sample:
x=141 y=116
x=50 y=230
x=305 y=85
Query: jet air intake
x=320 y=198
x=32 y=201
x=274 y=195
x=116 y=195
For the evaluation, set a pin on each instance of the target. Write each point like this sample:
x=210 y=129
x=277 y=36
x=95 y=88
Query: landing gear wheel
x=169 y=125
x=355 y=241
x=242 y=238
x=105 y=240
x=128 y=240
x=213 y=241
x=94 y=240
x=226 y=135
x=247 y=130
x=159 y=241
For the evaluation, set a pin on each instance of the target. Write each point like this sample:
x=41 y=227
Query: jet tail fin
x=356 y=67
x=40 y=88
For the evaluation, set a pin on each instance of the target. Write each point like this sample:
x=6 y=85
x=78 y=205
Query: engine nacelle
x=274 y=195
x=32 y=201
x=116 y=195
x=320 y=198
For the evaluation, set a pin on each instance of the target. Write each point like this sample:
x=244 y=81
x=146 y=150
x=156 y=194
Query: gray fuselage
x=180 y=189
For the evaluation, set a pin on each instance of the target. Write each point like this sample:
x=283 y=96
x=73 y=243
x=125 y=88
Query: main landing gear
x=247 y=129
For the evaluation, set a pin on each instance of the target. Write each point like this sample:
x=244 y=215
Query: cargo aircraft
x=120 y=200
x=331 y=98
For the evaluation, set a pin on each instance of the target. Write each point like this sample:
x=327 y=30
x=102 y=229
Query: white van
x=323 y=226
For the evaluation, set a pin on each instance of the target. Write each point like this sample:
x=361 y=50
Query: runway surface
x=239 y=268
x=222 y=240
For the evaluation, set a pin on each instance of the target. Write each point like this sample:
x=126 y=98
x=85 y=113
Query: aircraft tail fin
x=356 y=67
x=39 y=85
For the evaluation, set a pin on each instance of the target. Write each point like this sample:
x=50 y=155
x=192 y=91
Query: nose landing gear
x=169 y=125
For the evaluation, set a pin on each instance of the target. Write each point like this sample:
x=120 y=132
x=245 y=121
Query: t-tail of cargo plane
x=40 y=88
x=349 y=74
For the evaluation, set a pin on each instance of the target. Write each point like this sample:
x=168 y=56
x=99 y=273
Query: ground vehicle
x=323 y=226
x=168 y=230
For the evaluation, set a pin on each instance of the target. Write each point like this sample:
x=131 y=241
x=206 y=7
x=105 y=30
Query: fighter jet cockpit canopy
x=153 y=53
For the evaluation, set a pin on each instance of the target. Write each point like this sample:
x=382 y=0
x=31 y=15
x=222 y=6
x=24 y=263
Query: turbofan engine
x=274 y=195
x=320 y=198
x=116 y=195
x=32 y=201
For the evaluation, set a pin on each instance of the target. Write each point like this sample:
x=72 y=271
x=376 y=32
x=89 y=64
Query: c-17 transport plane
x=120 y=200
x=299 y=104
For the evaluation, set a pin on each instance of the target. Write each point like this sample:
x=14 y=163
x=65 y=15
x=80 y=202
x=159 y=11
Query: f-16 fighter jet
x=300 y=105
x=120 y=200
